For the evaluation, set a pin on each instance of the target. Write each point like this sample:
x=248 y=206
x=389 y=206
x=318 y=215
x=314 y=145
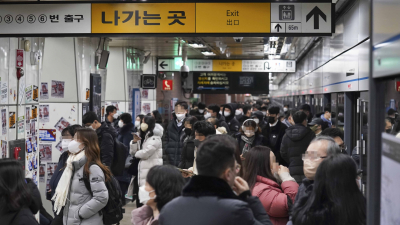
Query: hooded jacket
x=211 y=201
x=106 y=136
x=231 y=120
x=125 y=135
x=294 y=144
x=276 y=199
x=142 y=216
x=22 y=217
x=275 y=135
x=221 y=122
x=150 y=154
x=187 y=157
x=173 y=142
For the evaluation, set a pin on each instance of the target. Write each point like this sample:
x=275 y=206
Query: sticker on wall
x=42 y=169
x=51 y=168
x=4 y=121
x=3 y=93
x=3 y=149
x=28 y=93
x=59 y=147
x=57 y=89
x=61 y=124
x=47 y=135
x=44 y=91
x=44 y=113
x=45 y=152
x=21 y=126
x=34 y=112
x=35 y=93
x=11 y=120
x=146 y=108
x=28 y=115
x=87 y=94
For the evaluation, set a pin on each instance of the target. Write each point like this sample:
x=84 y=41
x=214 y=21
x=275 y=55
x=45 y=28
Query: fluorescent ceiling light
x=208 y=53
x=273 y=38
x=195 y=45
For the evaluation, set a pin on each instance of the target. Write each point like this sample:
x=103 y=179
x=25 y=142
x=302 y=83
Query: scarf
x=248 y=141
x=326 y=120
x=63 y=186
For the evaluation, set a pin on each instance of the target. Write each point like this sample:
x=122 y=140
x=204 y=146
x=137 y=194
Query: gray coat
x=80 y=202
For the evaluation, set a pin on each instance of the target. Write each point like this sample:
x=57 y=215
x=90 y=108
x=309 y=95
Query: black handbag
x=133 y=168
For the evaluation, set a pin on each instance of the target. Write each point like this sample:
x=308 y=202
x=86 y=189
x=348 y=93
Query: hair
x=213 y=121
x=157 y=116
x=327 y=109
x=273 y=110
x=201 y=105
x=305 y=107
x=191 y=120
x=257 y=106
x=90 y=117
x=286 y=106
x=257 y=163
x=259 y=102
x=215 y=155
x=167 y=183
x=141 y=116
x=287 y=114
x=391 y=112
x=335 y=198
x=14 y=192
x=151 y=122
x=264 y=108
x=332 y=149
x=246 y=108
x=214 y=108
x=182 y=103
x=204 y=128
x=126 y=118
x=110 y=109
x=333 y=132
x=299 y=117
x=250 y=123
x=88 y=138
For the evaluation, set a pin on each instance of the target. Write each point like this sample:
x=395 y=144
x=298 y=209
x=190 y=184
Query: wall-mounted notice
x=42 y=168
x=34 y=112
x=145 y=94
x=3 y=92
x=3 y=149
x=35 y=93
x=146 y=108
x=47 y=135
x=272 y=66
x=21 y=126
x=12 y=120
x=4 y=121
x=57 y=89
x=61 y=124
x=45 y=152
x=28 y=93
x=59 y=147
x=44 y=91
x=51 y=168
x=27 y=114
x=44 y=113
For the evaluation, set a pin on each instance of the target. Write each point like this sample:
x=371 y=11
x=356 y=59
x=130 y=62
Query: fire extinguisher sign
x=19 y=58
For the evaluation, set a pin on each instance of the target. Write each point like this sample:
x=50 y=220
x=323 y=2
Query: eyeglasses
x=312 y=155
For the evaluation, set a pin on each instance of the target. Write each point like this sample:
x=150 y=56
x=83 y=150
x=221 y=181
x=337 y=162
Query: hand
x=136 y=138
x=240 y=185
x=187 y=174
x=282 y=169
x=241 y=157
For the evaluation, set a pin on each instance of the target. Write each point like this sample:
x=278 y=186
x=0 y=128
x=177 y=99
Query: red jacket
x=274 y=198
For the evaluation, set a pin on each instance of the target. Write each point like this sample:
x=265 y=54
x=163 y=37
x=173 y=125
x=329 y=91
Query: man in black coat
x=246 y=114
x=208 y=198
x=229 y=113
x=173 y=135
x=106 y=136
x=213 y=111
x=111 y=117
x=295 y=143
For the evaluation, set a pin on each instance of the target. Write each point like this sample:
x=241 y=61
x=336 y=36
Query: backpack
x=113 y=211
x=120 y=155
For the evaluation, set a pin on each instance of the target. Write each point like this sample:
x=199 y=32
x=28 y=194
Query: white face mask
x=180 y=116
x=256 y=120
x=238 y=112
x=220 y=112
x=120 y=123
x=285 y=109
x=73 y=146
x=115 y=116
x=144 y=195
x=201 y=110
x=249 y=133
x=264 y=113
x=137 y=124
x=208 y=115
x=226 y=114
x=64 y=144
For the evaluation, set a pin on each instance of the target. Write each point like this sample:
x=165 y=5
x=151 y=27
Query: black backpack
x=113 y=211
x=120 y=155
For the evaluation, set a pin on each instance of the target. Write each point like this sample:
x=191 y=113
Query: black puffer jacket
x=231 y=120
x=106 y=136
x=22 y=217
x=275 y=135
x=173 y=142
x=187 y=156
x=221 y=122
x=242 y=118
x=294 y=145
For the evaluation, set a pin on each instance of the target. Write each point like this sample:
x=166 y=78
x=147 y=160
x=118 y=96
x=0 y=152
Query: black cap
x=318 y=121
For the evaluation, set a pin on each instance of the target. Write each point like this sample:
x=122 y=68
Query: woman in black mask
x=249 y=137
x=187 y=156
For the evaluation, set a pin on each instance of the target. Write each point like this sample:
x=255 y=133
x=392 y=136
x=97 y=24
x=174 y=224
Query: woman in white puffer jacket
x=147 y=147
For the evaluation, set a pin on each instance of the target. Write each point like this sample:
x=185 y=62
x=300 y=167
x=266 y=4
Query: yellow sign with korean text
x=227 y=65
x=144 y=18
x=233 y=17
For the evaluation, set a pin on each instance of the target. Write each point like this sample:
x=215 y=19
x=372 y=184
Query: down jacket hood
x=297 y=132
x=232 y=107
x=158 y=130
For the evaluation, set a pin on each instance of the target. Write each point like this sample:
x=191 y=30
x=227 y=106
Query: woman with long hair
x=335 y=198
x=81 y=206
x=163 y=183
x=271 y=183
x=15 y=195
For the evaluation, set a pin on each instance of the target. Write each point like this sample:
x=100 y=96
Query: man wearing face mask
x=245 y=115
x=288 y=121
x=173 y=135
x=111 y=117
x=216 y=195
x=200 y=111
x=326 y=117
x=106 y=136
x=318 y=125
x=232 y=122
x=213 y=111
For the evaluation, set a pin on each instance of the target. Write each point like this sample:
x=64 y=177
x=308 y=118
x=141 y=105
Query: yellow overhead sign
x=144 y=18
x=233 y=17
x=227 y=65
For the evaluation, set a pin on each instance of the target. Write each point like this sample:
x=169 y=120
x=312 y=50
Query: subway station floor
x=127 y=216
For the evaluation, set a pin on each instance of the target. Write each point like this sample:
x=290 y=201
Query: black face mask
x=388 y=131
x=271 y=120
x=188 y=131
x=197 y=143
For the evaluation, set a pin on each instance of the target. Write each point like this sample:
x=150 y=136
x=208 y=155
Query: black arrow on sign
x=316 y=12
x=278 y=26
x=162 y=64
x=268 y=67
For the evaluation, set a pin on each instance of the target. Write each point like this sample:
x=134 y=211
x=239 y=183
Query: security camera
x=184 y=71
x=238 y=39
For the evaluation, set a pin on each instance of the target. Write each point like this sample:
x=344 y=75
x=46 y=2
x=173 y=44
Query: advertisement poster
x=34 y=112
x=51 y=168
x=3 y=149
x=34 y=143
x=3 y=122
x=35 y=93
x=146 y=108
x=28 y=93
x=47 y=185
x=145 y=94
x=44 y=111
x=21 y=126
x=29 y=148
x=45 y=152
x=57 y=89
x=12 y=120
x=59 y=147
x=33 y=127
x=47 y=135
x=44 y=91
x=61 y=124
x=3 y=93
x=28 y=114
x=42 y=172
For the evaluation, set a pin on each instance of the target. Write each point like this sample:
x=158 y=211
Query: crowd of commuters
x=254 y=163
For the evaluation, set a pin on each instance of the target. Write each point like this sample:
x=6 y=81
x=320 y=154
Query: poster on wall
x=57 y=89
x=28 y=93
x=47 y=185
x=27 y=114
x=3 y=92
x=51 y=168
x=146 y=108
x=44 y=113
x=29 y=147
x=42 y=172
x=47 y=135
x=95 y=94
x=59 y=147
x=145 y=94
x=35 y=93
x=44 y=91
x=33 y=127
x=61 y=124
x=3 y=149
x=45 y=152
x=3 y=122
x=21 y=126
x=34 y=112
x=34 y=143
x=12 y=120
x=136 y=102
